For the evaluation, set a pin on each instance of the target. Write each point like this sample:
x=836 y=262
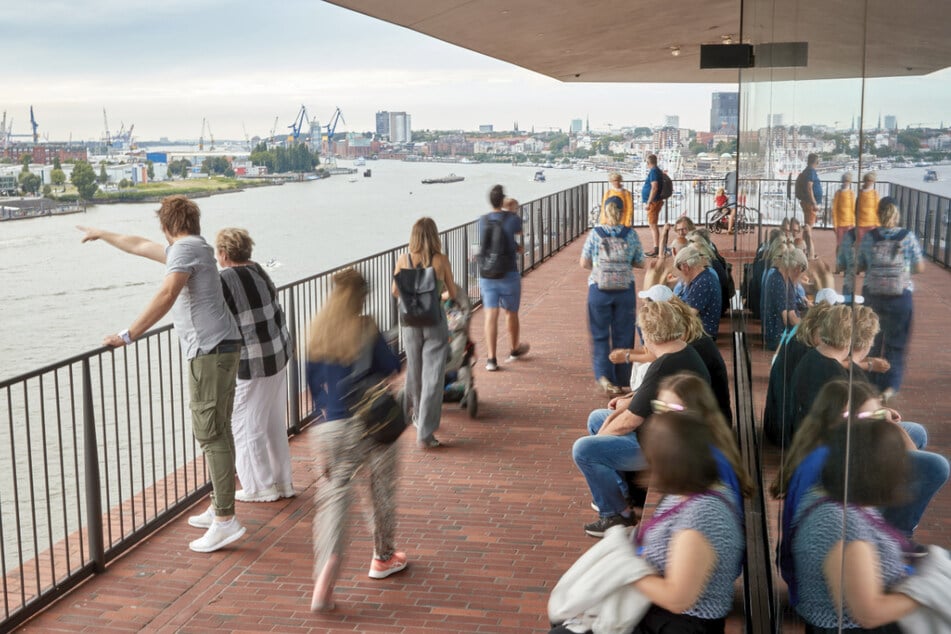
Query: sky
x=165 y=66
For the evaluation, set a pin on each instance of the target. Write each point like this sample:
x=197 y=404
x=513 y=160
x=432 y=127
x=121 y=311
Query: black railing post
x=293 y=367
x=93 y=492
x=466 y=249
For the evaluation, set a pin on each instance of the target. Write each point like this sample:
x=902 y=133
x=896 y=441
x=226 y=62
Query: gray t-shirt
x=201 y=317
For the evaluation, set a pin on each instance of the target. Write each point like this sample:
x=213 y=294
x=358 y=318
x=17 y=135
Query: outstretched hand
x=91 y=233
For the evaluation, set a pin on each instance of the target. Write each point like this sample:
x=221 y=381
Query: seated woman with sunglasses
x=846 y=582
x=809 y=452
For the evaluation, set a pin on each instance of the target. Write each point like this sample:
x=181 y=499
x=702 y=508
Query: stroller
x=459 y=386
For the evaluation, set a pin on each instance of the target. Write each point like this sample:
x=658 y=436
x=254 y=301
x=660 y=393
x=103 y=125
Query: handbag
x=419 y=304
x=371 y=400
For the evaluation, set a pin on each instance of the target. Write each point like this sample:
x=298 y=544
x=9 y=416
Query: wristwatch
x=124 y=335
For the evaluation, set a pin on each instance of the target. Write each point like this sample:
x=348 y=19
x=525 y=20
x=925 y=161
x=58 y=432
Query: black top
x=779 y=391
x=719 y=380
x=811 y=374
x=687 y=360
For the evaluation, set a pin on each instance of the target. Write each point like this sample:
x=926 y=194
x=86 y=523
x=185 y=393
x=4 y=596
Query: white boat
x=359 y=162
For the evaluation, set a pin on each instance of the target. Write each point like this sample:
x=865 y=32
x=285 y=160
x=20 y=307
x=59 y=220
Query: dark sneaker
x=519 y=352
x=597 y=529
x=491 y=365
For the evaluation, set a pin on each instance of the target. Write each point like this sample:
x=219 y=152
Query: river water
x=60 y=297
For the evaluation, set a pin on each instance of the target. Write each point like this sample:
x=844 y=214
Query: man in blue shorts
x=503 y=292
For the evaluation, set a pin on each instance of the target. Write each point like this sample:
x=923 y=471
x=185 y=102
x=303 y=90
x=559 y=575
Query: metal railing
x=929 y=217
x=96 y=451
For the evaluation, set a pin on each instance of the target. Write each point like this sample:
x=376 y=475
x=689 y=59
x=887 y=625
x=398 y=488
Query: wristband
x=627 y=356
x=126 y=337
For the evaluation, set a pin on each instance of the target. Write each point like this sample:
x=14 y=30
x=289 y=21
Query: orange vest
x=843 y=208
x=627 y=214
x=866 y=210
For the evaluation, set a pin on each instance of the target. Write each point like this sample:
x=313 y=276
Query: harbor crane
x=201 y=139
x=105 y=120
x=3 y=132
x=36 y=137
x=273 y=130
x=247 y=139
x=298 y=124
x=335 y=118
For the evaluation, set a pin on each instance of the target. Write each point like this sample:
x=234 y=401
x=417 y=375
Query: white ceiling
x=631 y=40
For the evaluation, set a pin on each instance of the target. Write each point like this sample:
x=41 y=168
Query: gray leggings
x=426 y=350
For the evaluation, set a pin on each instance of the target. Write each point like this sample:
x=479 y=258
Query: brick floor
x=489 y=522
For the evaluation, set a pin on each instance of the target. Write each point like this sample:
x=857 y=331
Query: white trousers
x=259 y=424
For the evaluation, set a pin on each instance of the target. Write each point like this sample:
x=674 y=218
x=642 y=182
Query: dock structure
x=489 y=522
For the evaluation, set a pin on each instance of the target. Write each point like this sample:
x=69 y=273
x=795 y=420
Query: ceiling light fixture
x=675 y=51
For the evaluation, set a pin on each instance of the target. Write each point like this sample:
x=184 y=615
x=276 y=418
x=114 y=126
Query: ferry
x=452 y=178
x=539 y=176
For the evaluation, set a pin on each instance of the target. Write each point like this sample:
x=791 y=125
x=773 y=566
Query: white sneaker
x=284 y=490
x=204 y=520
x=269 y=494
x=218 y=535
x=518 y=353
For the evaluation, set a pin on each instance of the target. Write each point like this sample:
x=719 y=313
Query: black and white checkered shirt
x=252 y=298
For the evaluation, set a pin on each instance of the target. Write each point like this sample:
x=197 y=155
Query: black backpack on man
x=495 y=256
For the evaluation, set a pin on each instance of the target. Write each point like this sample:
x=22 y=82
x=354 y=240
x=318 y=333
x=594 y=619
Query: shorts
x=504 y=293
x=808 y=213
x=653 y=211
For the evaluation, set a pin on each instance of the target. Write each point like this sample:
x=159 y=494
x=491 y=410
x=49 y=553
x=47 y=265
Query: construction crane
x=298 y=124
x=211 y=136
x=36 y=137
x=331 y=127
x=3 y=132
x=273 y=130
x=247 y=139
x=201 y=138
x=105 y=121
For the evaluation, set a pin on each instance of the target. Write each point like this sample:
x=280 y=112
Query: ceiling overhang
x=633 y=40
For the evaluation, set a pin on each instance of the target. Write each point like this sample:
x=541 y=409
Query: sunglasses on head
x=660 y=407
x=877 y=414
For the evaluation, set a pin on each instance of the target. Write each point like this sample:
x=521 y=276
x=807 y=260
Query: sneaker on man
x=218 y=535
x=381 y=569
x=269 y=494
x=491 y=365
x=598 y=528
x=283 y=490
x=204 y=520
x=519 y=352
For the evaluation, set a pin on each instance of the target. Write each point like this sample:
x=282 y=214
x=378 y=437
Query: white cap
x=657 y=293
x=831 y=297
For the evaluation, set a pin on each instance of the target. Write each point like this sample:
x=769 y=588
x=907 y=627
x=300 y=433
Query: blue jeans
x=895 y=316
x=601 y=458
x=504 y=293
x=611 y=317
x=928 y=473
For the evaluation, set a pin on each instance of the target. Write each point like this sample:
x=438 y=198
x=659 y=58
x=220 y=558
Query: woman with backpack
x=426 y=346
x=610 y=251
x=889 y=255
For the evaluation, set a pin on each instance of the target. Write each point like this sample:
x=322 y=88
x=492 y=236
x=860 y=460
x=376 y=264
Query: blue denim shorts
x=504 y=293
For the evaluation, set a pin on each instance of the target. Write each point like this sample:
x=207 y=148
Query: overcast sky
x=165 y=65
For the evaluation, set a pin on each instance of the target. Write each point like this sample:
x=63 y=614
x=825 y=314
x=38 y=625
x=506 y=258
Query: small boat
x=452 y=178
x=360 y=161
x=272 y=263
x=352 y=179
x=539 y=176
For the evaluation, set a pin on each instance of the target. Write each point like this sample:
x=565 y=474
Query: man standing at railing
x=651 y=197
x=809 y=193
x=210 y=341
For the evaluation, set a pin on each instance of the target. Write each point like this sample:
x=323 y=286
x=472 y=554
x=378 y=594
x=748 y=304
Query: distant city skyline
x=239 y=64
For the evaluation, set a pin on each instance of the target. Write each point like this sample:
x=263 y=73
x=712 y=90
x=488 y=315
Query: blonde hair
x=693 y=327
x=339 y=329
x=424 y=240
x=807 y=331
x=793 y=257
x=689 y=255
x=611 y=215
x=614 y=176
x=869 y=177
x=698 y=398
x=660 y=322
x=721 y=191
x=888 y=215
x=846 y=179
x=866 y=326
x=835 y=327
x=236 y=243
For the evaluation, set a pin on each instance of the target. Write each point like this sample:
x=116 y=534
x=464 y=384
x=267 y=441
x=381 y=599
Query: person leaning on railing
x=210 y=341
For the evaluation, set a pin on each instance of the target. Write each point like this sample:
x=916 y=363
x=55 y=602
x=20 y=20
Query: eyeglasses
x=881 y=413
x=660 y=407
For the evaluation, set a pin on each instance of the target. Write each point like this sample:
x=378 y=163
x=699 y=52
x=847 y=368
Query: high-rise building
x=725 y=111
x=394 y=126
x=576 y=125
x=776 y=120
x=672 y=121
x=486 y=127
x=891 y=122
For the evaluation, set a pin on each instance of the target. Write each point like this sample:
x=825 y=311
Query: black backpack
x=666 y=186
x=495 y=258
x=803 y=185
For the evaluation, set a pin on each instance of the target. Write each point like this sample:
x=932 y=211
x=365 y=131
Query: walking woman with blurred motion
x=339 y=335
x=426 y=346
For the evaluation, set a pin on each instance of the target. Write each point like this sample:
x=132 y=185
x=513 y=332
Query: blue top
x=704 y=294
x=813 y=176
x=592 y=245
x=817 y=533
x=511 y=225
x=653 y=176
x=778 y=296
x=728 y=476
x=909 y=244
x=806 y=476
x=329 y=382
x=718 y=521
x=845 y=260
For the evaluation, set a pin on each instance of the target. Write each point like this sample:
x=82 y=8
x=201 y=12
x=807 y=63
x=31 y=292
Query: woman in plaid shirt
x=259 y=422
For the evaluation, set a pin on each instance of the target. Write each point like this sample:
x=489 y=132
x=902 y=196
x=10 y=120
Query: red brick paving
x=489 y=522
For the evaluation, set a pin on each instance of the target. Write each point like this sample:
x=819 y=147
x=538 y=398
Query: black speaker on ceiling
x=726 y=55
